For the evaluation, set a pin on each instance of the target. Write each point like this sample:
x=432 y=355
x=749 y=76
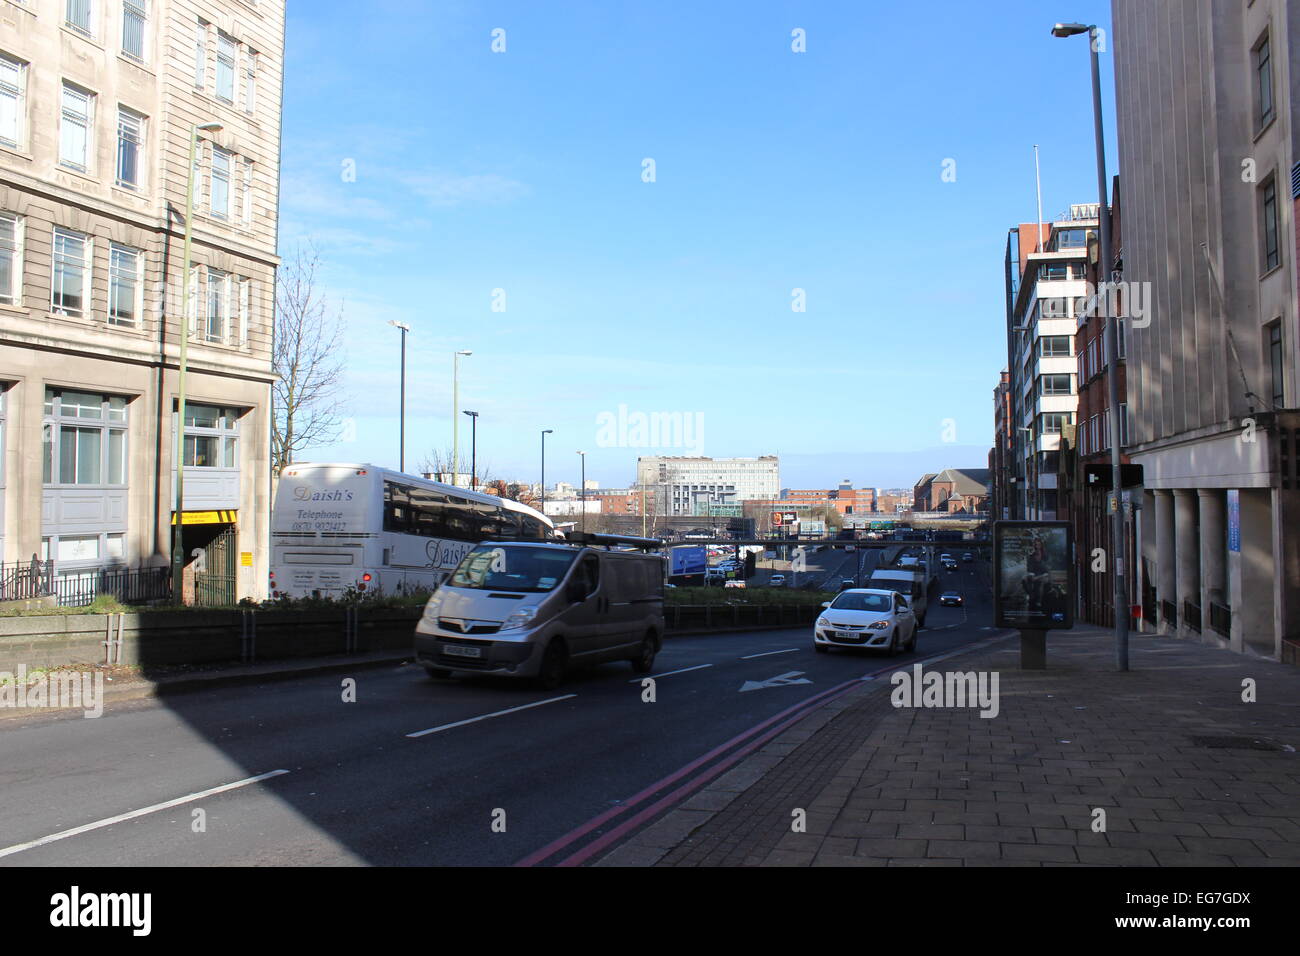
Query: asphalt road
x=362 y=785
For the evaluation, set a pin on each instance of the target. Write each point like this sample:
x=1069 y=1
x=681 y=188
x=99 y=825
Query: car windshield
x=861 y=602
x=512 y=568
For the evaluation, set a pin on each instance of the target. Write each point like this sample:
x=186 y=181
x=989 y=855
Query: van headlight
x=521 y=618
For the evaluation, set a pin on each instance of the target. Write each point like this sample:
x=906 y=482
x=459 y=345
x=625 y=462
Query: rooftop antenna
x=1038 y=182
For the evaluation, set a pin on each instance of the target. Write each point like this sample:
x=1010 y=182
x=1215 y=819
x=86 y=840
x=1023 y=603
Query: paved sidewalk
x=1187 y=773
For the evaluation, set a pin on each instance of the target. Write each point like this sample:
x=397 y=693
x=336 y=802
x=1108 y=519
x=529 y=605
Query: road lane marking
x=637 y=680
x=64 y=834
x=499 y=713
x=780 y=680
x=750 y=657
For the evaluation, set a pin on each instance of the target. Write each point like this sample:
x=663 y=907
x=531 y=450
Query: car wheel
x=436 y=672
x=554 y=663
x=892 y=650
x=911 y=641
x=644 y=661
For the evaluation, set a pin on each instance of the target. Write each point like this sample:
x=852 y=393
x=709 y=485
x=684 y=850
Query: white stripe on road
x=750 y=657
x=64 y=834
x=637 y=680
x=499 y=713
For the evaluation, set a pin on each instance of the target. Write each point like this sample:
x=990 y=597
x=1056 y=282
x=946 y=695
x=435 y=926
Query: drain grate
x=1241 y=743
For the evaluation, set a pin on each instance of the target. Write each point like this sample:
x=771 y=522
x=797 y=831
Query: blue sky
x=822 y=171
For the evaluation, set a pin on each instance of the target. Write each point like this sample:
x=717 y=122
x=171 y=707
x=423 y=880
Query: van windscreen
x=504 y=567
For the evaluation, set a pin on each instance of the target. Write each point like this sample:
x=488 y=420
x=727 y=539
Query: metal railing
x=1221 y=618
x=25 y=580
x=1169 y=613
x=1192 y=615
x=126 y=585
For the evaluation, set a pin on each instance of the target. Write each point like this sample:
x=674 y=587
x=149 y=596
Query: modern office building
x=702 y=486
x=1207 y=131
x=1046 y=286
x=97 y=103
x=1001 y=463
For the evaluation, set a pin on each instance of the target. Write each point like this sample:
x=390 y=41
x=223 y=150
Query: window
x=125 y=287
x=211 y=436
x=130 y=141
x=1071 y=238
x=1268 y=224
x=1050 y=423
x=246 y=194
x=218 y=306
x=77 y=16
x=1053 y=307
x=70 y=278
x=11 y=259
x=13 y=100
x=134 y=15
x=1263 y=84
x=200 y=55
x=75 y=126
x=1094 y=354
x=1274 y=333
x=250 y=82
x=220 y=183
x=245 y=307
x=1053 y=271
x=84 y=438
x=1123 y=424
x=1056 y=384
x=1104 y=425
x=226 y=52
x=1054 y=345
x=1121 y=338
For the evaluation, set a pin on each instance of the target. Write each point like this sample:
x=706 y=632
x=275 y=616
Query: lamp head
x=1069 y=29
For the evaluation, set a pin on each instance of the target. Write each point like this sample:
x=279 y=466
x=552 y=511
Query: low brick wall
x=215 y=637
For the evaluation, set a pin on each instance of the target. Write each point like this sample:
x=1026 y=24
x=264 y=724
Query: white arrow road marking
x=64 y=834
x=781 y=680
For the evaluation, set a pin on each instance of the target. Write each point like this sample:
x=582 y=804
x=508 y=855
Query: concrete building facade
x=693 y=486
x=97 y=101
x=1206 y=155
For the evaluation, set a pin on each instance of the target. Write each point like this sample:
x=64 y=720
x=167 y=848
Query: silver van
x=520 y=609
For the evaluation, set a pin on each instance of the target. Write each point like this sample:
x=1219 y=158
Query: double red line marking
x=777 y=723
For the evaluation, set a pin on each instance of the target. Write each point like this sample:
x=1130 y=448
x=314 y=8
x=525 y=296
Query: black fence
x=27 y=580
x=1221 y=619
x=1192 y=616
x=1169 y=613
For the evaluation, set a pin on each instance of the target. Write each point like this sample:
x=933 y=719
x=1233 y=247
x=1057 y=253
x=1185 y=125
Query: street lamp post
x=401 y=454
x=473 y=450
x=1111 y=331
x=582 y=490
x=455 y=414
x=545 y=432
x=178 y=551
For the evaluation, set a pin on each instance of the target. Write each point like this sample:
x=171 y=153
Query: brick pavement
x=1186 y=772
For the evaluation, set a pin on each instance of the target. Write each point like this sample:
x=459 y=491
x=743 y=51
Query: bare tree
x=437 y=464
x=513 y=490
x=307 y=361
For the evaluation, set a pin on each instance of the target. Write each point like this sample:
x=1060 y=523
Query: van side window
x=589 y=573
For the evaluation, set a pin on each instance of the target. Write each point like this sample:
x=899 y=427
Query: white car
x=866 y=617
x=776 y=581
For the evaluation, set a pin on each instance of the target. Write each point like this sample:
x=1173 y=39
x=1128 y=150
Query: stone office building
x=97 y=102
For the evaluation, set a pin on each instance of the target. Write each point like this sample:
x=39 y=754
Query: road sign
x=781 y=680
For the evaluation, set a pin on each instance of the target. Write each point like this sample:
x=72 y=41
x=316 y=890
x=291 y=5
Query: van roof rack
x=591 y=539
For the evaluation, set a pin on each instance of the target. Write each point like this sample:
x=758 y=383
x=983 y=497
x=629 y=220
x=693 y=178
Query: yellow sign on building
x=208 y=517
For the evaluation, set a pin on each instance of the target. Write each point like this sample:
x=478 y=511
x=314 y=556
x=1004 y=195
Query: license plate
x=455 y=650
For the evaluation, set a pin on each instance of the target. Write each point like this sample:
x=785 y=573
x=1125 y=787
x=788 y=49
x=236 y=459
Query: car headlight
x=432 y=606
x=521 y=618
x=880 y=625
x=821 y=622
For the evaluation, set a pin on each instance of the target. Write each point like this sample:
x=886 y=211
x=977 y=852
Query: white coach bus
x=335 y=526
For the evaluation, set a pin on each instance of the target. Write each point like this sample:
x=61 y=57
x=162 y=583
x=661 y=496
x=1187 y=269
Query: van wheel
x=436 y=672
x=554 y=663
x=644 y=661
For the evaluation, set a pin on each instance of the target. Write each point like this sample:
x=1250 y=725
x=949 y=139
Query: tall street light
x=545 y=432
x=1111 y=331
x=455 y=414
x=473 y=450
x=178 y=550
x=582 y=490
x=401 y=455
